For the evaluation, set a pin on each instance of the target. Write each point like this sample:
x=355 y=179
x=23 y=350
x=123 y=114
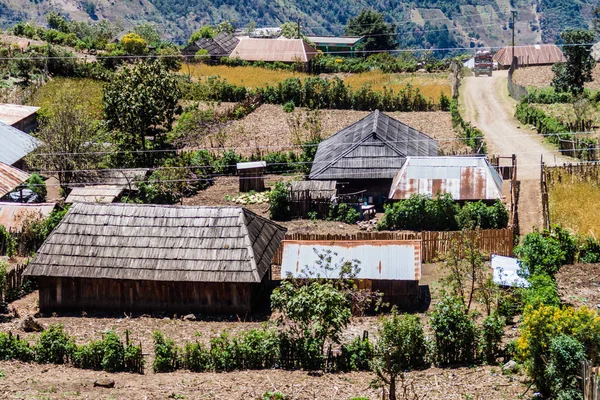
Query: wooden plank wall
x=434 y=245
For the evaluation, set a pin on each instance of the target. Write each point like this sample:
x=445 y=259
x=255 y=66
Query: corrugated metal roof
x=12 y=215
x=15 y=144
x=379 y=259
x=335 y=40
x=10 y=178
x=10 y=114
x=159 y=243
x=282 y=50
x=373 y=148
x=465 y=178
x=251 y=165
x=539 y=54
x=94 y=194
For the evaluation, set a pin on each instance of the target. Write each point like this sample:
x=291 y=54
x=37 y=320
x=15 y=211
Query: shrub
x=289 y=107
x=227 y=163
x=545 y=252
x=343 y=213
x=455 y=332
x=14 y=348
x=478 y=214
x=196 y=357
x=564 y=367
x=356 y=355
x=223 y=353
x=492 y=331
x=166 y=357
x=279 y=201
x=542 y=291
x=36 y=184
x=54 y=346
x=8 y=244
x=258 y=349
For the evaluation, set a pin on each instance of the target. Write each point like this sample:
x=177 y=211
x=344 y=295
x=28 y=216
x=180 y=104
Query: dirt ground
x=490 y=109
x=539 y=77
x=579 y=285
x=267 y=128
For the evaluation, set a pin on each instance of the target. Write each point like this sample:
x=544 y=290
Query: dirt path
x=489 y=107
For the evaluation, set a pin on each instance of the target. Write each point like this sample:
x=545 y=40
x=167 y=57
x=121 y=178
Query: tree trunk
x=392 y=387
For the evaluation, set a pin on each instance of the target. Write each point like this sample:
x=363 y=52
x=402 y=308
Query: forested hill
x=420 y=23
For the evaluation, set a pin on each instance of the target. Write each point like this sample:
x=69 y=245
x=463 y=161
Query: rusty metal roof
x=94 y=194
x=12 y=215
x=10 y=178
x=537 y=54
x=282 y=50
x=379 y=259
x=465 y=178
x=11 y=114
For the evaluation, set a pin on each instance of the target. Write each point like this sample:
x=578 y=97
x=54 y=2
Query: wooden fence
x=590 y=382
x=302 y=202
x=434 y=245
x=13 y=288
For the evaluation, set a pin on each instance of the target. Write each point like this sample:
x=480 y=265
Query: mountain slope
x=420 y=23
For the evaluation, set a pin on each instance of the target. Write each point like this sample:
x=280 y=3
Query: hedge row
x=472 y=136
x=544 y=124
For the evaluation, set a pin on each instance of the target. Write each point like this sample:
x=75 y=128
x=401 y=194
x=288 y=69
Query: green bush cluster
x=343 y=213
x=544 y=124
x=312 y=92
x=547 y=96
x=472 y=136
x=279 y=209
x=421 y=212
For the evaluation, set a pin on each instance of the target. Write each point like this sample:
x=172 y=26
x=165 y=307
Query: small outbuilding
x=365 y=156
x=94 y=194
x=24 y=118
x=530 y=55
x=252 y=176
x=465 y=178
x=392 y=267
x=311 y=196
x=218 y=47
x=14 y=215
x=339 y=45
x=151 y=258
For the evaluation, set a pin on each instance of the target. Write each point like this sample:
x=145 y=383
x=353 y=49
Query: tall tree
x=379 y=35
x=140 y=103
x=572 y=75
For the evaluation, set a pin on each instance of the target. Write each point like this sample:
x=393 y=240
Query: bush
x=477 y=214
x=356 y=355
x=166 y=357
x=455 y=332
x=54 y=346
x=36 y=184
x=564 y=367
x=14 y=348
x=542 y=291
x=472 y=136
x=258 y=349
x=289 y=107
x=279 y=201
x=8 y=244
x=492 y=331
x=545 y=252
x=343 y=213
x=196 y=357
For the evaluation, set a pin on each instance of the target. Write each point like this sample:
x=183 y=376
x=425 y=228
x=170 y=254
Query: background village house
x=528 y=56
x=278 y=50
x=150 y=258
x=342 y=46
x=218 y=47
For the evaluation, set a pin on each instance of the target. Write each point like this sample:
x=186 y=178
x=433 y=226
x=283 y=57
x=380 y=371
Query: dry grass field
x=540 y=77
x=430 y=85
x=575 y=206
x=268 y=128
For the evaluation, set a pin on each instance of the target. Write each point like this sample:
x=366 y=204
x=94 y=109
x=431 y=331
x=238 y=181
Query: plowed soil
x=539 y=77
x=579 y=285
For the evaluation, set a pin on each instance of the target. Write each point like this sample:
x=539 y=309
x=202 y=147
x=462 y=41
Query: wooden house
x=311 y=196
x=252 y=176
x=10 y=178
x=392 y=267
x=150 y=258
x=365 y=156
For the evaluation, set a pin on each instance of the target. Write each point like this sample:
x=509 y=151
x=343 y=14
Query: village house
x=392 y=267
x=24 y=118
x=274 y=50
x=342 y=46
x=465 y=178
x=147 y=258
x=218 y=47
x=530 y=55
x=364 y=157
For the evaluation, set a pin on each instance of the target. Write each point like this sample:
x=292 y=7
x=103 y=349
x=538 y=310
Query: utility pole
x=298 y=27
x=514 y=12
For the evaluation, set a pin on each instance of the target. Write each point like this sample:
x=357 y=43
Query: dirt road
x=489 y=107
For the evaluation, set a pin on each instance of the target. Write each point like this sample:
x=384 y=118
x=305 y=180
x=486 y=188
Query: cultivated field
x=430 y=85
x=268 y=127
x=578 y=285
x=540 y=77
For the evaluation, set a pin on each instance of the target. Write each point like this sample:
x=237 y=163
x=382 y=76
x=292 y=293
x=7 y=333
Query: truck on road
x=483 y=63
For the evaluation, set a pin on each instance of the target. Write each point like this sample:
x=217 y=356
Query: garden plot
x=267 y=129
x=541 y=76
x=579 y=285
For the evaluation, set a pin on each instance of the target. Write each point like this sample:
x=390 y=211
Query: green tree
x=206 y=32
x=134 y=44
x=289 y=30
x=572 y=75
x=149 y=33
x=226 y=27
x=379 y=35
x=140 y=102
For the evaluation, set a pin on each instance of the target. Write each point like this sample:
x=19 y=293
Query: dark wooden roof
x=373 y=148
x=159 y=243
x=220 y=46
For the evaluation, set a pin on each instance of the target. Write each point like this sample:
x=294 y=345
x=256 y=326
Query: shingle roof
x=282 y=50
x=537 y=54
x=159 y=243
x=15 y=144
x=10 y=178
x=123 y=178
x=373 y=148
x=94 y=194
x=220 y=46
x=465 y=178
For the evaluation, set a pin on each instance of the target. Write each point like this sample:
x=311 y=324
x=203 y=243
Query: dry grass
x=89 y=91
x=430 y=85
x=574 y=206
x=241 y=76
x=540 y=77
